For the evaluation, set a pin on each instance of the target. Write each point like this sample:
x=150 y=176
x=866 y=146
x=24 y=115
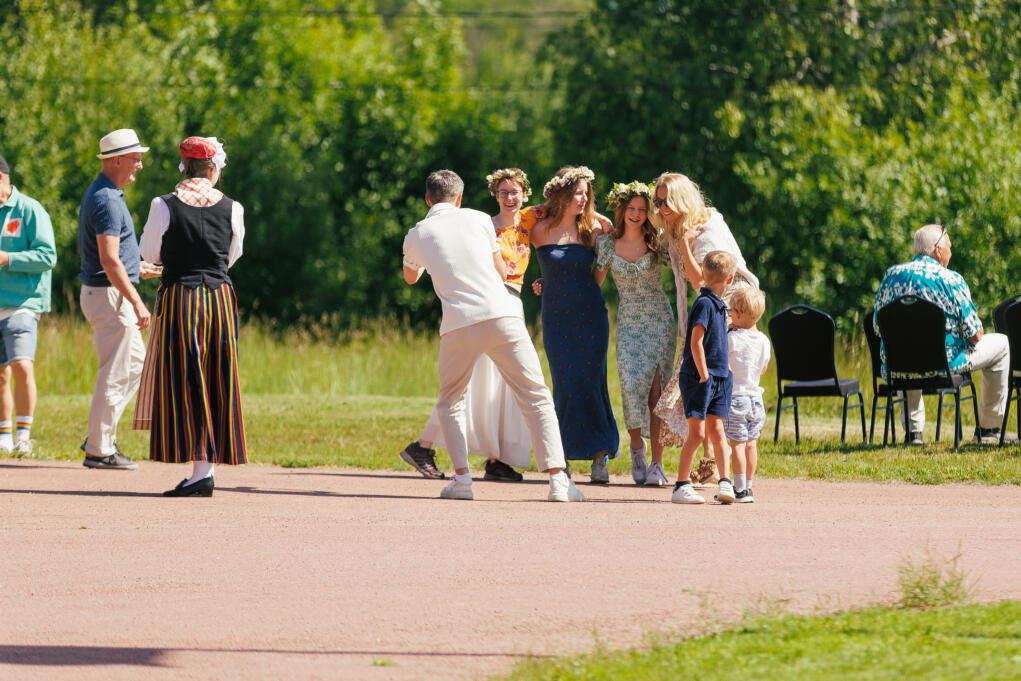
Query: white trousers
x=992 y=355
x=506 y=341
x=121 y=353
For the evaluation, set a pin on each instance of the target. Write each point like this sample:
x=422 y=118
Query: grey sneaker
x=744 y=496
x=985 y=436
x=684 y=493
x=639 y=467
x=656 y=477
x=115 y=461
x=458 y=490
x=600 y=472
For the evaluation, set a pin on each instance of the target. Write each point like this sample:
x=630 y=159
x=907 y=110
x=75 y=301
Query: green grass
x=975 y=642
x=357 y=399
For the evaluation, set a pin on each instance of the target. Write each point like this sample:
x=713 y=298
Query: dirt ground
x=347 y=574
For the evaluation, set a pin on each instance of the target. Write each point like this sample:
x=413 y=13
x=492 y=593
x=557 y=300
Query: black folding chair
x=880 y=386
x=1011 y=317
x=1000 y=311
x=803 y=339
x=914 y=337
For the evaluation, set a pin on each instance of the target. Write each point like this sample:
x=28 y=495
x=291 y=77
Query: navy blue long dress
x=576 y=334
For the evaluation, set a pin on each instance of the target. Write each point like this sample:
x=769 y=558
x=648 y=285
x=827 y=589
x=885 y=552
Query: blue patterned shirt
x=925 y=278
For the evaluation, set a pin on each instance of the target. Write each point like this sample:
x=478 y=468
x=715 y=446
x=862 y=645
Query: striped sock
x=6 y=442
x=24 y=428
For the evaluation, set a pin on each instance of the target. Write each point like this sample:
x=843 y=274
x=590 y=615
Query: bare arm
x=599 y=275
x=976 y=338
x=698 y=352
x=110 y=259
x=692 y=269
x=412 y=274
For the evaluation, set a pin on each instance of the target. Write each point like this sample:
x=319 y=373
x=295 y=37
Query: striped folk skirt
x=196 y=408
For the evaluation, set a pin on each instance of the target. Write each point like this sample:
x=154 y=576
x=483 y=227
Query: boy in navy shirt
x=705 y=379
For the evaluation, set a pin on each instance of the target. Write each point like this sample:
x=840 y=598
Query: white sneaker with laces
x=725 y=494
x=458 y=490
x=639 y=468
x=562 y=489
x=600 y=472
x=655 y=476
x=686 y=494
x=23 y=448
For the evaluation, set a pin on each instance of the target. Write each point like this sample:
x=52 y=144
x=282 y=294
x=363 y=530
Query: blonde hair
x=750 y=302
x=718 y=266
x=684 y=198
x=560 y=197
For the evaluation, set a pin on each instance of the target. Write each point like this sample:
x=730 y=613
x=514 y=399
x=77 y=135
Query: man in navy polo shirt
x=111 y=267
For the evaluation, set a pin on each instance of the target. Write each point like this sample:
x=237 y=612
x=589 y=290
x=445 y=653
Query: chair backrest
x=803 y=344
x=914 y=336
x=999 y=312
x=873 y=340
x=1012 y=328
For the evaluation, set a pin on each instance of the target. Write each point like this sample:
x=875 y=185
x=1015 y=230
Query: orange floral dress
x=515 y=242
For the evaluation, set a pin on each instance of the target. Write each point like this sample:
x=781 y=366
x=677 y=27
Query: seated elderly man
x=926 y=276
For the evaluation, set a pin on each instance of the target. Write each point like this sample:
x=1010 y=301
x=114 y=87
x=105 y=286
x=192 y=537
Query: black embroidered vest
x=196 y=245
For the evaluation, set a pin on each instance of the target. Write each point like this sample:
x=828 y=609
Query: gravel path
x=326 y=574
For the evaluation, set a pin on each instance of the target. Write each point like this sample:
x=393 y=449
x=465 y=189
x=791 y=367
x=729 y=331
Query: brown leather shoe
x=423 y=460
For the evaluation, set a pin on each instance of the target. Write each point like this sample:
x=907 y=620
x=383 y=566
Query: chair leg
x=797 y=428
x=843 y=420
x=1003 y=426
x=872 y=421
x=779 y=410
x=861 y=406
x=957 y=419
x=939 y=416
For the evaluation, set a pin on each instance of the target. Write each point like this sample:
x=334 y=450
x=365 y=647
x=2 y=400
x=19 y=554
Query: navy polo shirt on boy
x=713 y=396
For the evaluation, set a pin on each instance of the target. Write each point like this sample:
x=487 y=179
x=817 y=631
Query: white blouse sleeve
x=152 y=234
x=237 y=229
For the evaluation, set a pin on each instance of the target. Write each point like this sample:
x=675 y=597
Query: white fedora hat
x=118 y=143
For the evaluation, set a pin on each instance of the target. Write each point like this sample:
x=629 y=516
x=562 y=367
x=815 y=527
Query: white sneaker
x=23 y=448
x=6 y=448
x=655 y=476
x=562 y=489
x=638 y=466
x=458 y=490
x=686 y=494
x=725 y=494
x=600 y=472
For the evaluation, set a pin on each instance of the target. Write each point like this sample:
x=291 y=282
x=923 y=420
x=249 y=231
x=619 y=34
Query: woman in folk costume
x=196 y=232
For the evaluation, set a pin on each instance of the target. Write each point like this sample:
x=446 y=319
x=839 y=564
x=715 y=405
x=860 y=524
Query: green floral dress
x=646 y=330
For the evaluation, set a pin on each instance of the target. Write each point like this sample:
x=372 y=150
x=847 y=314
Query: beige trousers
x=506 y=341
x=121 y=353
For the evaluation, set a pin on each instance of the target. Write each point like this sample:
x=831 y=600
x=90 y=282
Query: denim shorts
x=20 y=333
x=747 y=416
x=711 y=398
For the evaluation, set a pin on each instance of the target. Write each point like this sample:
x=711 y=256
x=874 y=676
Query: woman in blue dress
x=575 y=326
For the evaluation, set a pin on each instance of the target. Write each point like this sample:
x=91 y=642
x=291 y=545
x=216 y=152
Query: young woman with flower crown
x=493 y=421
x=575 y=326
x=646 y=330
x=691 y=228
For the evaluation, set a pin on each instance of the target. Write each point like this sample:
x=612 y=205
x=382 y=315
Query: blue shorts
x=747 y=416
x=704 y=399
x=20 y=333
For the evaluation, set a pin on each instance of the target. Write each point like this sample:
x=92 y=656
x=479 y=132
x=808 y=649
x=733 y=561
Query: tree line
x=825 y=131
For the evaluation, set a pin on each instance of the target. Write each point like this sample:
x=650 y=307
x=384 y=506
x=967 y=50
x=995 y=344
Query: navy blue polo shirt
x=103 y=211
x=711 y=313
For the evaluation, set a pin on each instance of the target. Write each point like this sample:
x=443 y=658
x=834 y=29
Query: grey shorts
x=747 y=416
x=20 y=334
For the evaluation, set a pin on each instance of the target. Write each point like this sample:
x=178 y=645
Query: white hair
x=927 y=237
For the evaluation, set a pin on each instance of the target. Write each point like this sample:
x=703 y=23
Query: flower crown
x=494 y=179
x=622 y=193
x=567 y=179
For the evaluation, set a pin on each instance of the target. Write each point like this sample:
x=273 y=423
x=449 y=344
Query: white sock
x=24 y=426
x=748 y=484
x=6 y=440
x=463 y=477
x=200 y=470
x=561 y=476
x=739 y=483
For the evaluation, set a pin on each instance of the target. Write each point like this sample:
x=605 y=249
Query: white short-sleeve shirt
x=718 y=237
x=749 y=356
x=456 y=246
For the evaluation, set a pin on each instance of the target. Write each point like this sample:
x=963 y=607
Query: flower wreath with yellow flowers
x=622 y=193
x=567 y=179
x=494 y=179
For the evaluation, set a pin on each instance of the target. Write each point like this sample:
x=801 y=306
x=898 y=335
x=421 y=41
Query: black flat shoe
x=202 y=488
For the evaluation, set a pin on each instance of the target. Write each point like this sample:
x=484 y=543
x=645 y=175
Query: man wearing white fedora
x=111 y=267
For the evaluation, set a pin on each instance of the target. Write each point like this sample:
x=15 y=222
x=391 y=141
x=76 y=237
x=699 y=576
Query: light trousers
x=506 y=341
x=121 y=353
x=991 y=355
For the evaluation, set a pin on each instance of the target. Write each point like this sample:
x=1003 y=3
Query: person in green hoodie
x=27 y=256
